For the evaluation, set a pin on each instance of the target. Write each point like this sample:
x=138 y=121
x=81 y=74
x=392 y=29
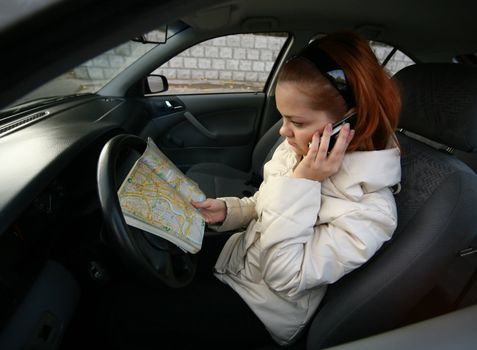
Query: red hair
x=377 y=99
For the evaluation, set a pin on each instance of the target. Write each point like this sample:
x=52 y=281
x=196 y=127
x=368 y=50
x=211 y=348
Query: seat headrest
x=439 y=102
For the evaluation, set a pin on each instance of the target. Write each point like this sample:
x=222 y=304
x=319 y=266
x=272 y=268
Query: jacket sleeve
x=240 y=211
x=297 y=254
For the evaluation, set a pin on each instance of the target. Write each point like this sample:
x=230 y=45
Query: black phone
x=336 y=127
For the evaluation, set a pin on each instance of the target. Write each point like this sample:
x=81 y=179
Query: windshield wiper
x=41 y=101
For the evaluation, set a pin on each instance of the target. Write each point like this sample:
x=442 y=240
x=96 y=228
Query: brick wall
x=236 y=61
x=105 y=65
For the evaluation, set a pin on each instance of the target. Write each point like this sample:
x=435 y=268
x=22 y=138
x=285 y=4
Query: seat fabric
x=221 y=180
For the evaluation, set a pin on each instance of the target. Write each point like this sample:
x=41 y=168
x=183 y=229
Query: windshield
x=89 y=76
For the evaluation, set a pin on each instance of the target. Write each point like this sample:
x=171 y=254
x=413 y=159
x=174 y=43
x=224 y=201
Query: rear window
x=392 y=59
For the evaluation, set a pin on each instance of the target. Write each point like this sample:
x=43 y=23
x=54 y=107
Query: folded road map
x=155 y=197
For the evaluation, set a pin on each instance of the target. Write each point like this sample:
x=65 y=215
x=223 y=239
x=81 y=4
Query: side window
x=394 y=60
x=232 y=63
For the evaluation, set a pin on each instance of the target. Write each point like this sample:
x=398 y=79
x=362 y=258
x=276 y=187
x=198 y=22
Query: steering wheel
x=154 y=258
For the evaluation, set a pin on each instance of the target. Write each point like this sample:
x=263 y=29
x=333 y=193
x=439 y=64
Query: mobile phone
x=336 y=127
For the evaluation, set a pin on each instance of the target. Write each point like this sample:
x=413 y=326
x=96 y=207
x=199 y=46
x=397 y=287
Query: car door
x=217 y=100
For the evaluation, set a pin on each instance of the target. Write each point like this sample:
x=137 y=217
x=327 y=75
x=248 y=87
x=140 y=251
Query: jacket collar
x=361 y=172
x=364 y=172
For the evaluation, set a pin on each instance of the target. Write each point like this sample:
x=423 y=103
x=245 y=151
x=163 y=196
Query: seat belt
x=433 y=144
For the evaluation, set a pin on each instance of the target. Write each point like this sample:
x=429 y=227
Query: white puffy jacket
x=303 y=235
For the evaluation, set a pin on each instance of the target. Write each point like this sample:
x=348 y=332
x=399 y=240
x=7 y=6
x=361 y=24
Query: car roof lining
x=374 y=19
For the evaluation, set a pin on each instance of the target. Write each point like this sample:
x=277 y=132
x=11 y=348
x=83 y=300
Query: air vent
x=21 y=122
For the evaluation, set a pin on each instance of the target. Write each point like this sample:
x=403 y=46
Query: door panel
x=213 y=107
x=192 y=129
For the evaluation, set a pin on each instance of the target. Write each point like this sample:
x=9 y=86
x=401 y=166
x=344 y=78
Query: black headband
x=331 y=70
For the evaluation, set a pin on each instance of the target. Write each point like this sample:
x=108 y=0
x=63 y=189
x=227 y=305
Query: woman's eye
x=297 y=124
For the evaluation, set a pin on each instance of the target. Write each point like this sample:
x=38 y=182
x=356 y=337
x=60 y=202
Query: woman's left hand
x=318 y=164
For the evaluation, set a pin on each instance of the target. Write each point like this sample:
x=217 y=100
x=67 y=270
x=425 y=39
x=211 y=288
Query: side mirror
x=155 y=83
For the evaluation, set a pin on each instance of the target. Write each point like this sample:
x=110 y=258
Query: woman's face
x=300 y=118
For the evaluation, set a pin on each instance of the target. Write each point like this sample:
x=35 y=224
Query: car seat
x=221 y=180
x=436 y=209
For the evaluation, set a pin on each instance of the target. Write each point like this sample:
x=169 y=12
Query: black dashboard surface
x=48 y=187
x=31 y=157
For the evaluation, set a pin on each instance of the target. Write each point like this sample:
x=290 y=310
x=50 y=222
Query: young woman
x=320 y=212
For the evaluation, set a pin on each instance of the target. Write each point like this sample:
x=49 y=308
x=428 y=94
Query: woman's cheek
x=304 y=148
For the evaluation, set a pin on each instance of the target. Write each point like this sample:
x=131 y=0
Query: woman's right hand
x=213 y=210
x=319 y=164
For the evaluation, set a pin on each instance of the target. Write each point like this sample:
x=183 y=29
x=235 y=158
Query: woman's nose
x=285 y=130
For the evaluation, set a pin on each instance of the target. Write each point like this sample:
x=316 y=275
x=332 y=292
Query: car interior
x=66 y=252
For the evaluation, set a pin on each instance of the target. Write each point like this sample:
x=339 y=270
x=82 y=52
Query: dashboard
x=49 y=210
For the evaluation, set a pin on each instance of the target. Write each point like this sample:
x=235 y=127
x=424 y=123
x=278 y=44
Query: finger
x=313 y=147
x=344 y=138
x=324 y=142
x=206 y=218
x=197 y=204
x=201 y=205
x=351 y=136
